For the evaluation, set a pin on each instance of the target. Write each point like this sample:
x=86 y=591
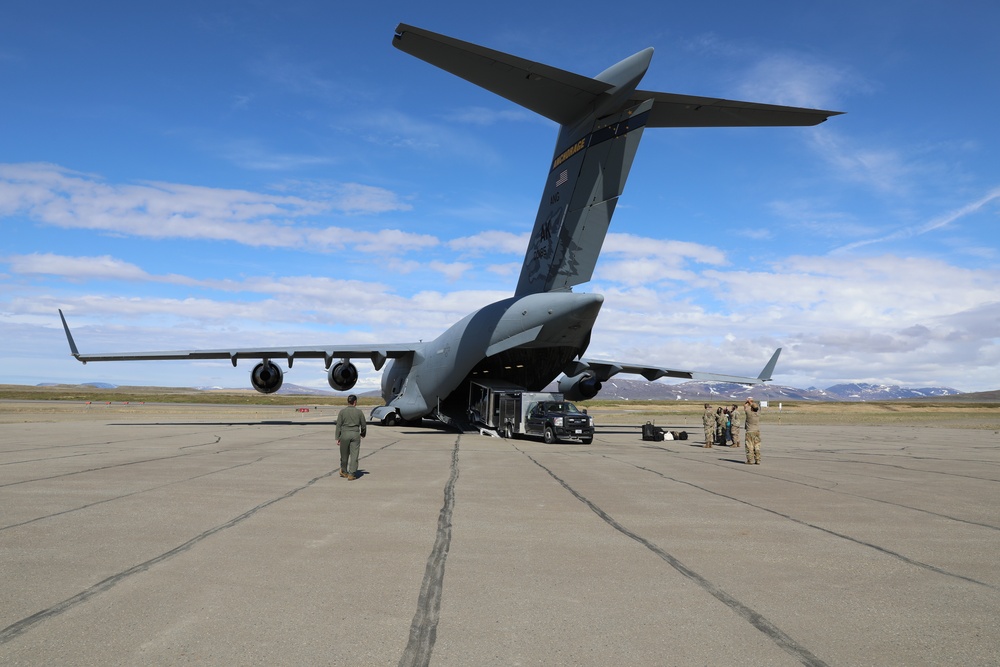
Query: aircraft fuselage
x=525 y=340
x=541 y=332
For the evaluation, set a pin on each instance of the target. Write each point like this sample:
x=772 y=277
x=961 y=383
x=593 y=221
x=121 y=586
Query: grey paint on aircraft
x=543 y=331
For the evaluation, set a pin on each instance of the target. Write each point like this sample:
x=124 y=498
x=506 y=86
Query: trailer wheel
x=550 y=436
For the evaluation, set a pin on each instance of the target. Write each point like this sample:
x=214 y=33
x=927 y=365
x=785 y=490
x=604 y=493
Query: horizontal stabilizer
x=562 y=96
x=548 y=91
x=673 y=110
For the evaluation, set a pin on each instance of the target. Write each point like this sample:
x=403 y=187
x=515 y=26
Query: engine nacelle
x=579 y=387
x=266 y=377
x=342 y=376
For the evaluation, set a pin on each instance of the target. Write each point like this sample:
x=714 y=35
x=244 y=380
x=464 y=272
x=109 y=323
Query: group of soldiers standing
x=739 y=424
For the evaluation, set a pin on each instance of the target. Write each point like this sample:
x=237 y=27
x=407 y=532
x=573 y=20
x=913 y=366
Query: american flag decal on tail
x=563 y=177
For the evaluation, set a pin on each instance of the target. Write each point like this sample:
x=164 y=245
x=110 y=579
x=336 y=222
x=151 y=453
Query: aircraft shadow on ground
x=262 y=422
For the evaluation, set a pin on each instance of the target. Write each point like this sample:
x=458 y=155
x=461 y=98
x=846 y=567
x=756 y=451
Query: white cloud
x=63 y=198
x=818 y=217
x=884 y=170
x=796 y=80
x=491 y=242
x=674 y=252
x=452 y=271
x=641 y=271
x=505 y=270
x=636 y=260
x=76 y=268
x=929 y=226
x=249 y=154
x=400 y=130
x=914 y=321
x=486 y=116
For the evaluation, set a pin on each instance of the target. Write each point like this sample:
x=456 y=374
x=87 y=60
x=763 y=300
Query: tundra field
x=29 y=403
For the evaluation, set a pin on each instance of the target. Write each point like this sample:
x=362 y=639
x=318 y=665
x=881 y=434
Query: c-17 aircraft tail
x=543 y=330
x=601 y=122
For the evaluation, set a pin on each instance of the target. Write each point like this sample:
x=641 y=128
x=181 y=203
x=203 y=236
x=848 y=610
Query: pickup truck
x=559 y=420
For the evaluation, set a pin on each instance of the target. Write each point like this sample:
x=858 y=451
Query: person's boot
x=343 y=473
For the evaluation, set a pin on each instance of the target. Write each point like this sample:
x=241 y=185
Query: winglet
x=69 y=337
x=765 y=375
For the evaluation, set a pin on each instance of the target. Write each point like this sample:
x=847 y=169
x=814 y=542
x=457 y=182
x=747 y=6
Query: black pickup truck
x=559 y=420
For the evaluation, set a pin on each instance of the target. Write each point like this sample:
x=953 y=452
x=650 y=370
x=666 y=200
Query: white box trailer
x=503 y=406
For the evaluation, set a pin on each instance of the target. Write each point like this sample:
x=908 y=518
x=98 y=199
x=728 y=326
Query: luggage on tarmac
x=652 y=433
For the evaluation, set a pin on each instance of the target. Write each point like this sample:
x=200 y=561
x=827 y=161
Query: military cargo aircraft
x=541 y=332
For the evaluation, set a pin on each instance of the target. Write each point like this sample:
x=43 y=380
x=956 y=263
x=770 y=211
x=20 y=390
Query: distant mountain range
x=639 y=390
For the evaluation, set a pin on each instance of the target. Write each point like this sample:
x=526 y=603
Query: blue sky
x=212 y=174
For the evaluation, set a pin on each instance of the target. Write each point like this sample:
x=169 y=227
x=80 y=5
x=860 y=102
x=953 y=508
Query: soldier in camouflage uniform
x=708 y=421
x=753 y=431
x=738 y=417
x=720 y=427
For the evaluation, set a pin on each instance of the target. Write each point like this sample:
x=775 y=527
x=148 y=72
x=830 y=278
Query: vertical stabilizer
x=601 y=121
x=591 y=164
x=585 y=180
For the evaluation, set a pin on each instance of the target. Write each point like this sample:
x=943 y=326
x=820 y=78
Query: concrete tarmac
x=226 y=537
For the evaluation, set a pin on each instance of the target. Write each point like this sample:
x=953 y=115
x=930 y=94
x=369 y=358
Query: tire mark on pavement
x=15 y=630
x=166 y=436
x=896 y=466
x=52 y=458
x=756 y=619
x=847 y=493
x=423 y=628
x=888 y=552
x=134 y=493
x=109 y=467
x=217 y=440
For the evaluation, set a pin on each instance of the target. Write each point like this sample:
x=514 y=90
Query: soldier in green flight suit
x=351 y=427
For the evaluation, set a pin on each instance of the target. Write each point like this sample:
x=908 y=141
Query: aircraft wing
x=378 y=354
x=603 y=370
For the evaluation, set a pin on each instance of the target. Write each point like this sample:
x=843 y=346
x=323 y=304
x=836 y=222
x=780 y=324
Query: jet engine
x=266 y=377
x=579 y=387
x=342 y=376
